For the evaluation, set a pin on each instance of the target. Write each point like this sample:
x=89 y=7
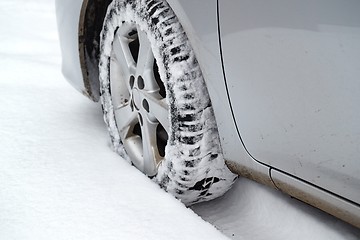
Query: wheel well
x=90 y=25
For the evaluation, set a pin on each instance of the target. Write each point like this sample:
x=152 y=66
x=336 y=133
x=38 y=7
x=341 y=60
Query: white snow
x=253 y=211
x=60 y=180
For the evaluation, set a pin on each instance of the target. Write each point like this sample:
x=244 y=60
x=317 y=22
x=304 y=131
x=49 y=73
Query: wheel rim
x=138 y=97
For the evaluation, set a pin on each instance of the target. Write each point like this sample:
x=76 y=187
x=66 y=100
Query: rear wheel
x=155 y=101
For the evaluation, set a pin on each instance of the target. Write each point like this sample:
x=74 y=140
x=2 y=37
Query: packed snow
x=60 y=180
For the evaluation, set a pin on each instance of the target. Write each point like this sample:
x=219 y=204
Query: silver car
x=195 y=93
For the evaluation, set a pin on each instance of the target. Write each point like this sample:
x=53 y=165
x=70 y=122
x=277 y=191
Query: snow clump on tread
x=193 y=169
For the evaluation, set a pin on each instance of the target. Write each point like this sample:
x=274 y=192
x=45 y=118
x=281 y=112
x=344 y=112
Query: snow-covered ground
x=60 y=180
x=252 y=211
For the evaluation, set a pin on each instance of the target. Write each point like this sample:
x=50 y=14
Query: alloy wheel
x=139 y=98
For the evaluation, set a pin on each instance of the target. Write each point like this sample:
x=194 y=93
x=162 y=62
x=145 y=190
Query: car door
x=292 y=70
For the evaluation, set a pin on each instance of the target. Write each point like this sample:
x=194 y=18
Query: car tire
x=155 y=101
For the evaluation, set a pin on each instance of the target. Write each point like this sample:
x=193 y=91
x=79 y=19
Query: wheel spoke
x=158 y=108
x=150 y=150
x=124 y=58
x=125 y=120
x=145 y=62
x=133 y=146
x=119 y=86
x=145 y=59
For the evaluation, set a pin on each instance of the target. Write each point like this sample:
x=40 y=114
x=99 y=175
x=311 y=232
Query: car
x=195 y=93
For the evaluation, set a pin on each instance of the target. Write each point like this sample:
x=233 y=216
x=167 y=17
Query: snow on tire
x=192 y=167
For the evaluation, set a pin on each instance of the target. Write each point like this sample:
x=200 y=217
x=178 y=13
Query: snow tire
x=193 y=169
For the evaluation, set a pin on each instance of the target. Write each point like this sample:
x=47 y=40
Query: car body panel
x=199 y=21
x=68 y=14
x=293 y=71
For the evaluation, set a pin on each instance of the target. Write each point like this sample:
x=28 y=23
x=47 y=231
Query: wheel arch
x=90 y=25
